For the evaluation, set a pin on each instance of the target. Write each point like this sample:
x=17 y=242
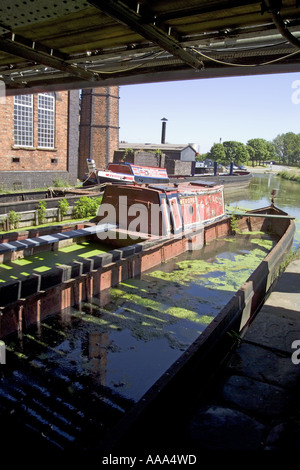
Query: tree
x=260 y=150
x=272 y=151
x=200 y=157
x=278 y=143
x=217 y=153
x=287 y=148
x=251 y=153
x=236 y=152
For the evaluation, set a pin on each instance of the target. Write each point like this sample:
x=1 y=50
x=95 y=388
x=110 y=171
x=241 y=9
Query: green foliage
x=13 y=219
x=155 y=151
x=287 y=148
x=256 y=150
x=235 y=152
x=60 y=183
x=63 y=206
x=200 y=157
x=41 y=211
x=289 y=175
x=128 y=151
x=272 y=151
x=261 y=152
x=217 y=153
x=233 y=223
x=86 y=207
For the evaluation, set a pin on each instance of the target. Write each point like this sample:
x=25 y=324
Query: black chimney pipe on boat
x=163 y=130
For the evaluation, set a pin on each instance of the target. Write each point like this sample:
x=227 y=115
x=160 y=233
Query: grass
x=293 y=175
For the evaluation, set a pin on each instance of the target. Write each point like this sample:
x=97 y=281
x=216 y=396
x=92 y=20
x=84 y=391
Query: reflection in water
x=121 y=343
x=258 y=194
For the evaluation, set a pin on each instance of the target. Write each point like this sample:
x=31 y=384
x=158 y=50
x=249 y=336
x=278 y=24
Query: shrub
x=63 y=206
x=41 y=211
x=289 y=175
x=86 y=207
x=60 y=183
x=13 y=219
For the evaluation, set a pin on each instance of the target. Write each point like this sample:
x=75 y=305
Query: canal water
x=258 y=194
x=78 y=372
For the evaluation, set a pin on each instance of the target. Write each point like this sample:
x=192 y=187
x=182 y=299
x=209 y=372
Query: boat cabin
x=126 y=173
x=161 y=210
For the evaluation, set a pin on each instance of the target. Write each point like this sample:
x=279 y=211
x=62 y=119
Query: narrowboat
x=154 y=210
x=126 y=173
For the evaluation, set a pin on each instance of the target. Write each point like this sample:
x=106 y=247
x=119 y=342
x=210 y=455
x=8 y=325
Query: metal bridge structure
x=77 y=44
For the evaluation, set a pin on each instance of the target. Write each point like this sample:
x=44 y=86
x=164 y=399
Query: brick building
x=179 y=159
x=39 y=139
x=99 y=127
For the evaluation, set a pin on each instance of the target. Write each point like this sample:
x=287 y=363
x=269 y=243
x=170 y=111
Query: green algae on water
x=184 y=271
x=268 y=244
x=187 y=314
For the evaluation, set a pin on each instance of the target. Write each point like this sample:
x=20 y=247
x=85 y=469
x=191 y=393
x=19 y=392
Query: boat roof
x=135 y=165
x=171 y=187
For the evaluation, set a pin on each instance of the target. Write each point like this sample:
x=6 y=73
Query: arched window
x=46 y=120
x=23 y=120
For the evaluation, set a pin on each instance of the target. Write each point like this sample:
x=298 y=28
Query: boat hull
x=127 y=173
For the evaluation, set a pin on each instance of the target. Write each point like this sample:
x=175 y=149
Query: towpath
x=256 y=402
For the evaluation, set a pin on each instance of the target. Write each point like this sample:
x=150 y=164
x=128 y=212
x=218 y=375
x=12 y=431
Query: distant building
x=38 y=139
x=179 y=159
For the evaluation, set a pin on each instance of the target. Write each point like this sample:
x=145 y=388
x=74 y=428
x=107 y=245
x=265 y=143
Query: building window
x=23 y=120
x=46 y=109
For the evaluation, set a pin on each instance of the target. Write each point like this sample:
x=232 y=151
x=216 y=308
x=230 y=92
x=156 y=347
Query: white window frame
x=23 y=120
x=46 y=120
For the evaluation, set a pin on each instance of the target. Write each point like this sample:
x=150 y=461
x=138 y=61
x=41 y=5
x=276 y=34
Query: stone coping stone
x=261 y=363
x=47 y=239
x=275 y=328
x=220 y=428
x=12 y=291
x=255 y=396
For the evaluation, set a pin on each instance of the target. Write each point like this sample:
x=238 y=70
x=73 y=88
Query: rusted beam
x=17 y=49
x=137 y=23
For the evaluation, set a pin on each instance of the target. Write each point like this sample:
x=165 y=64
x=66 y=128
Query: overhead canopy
x=72 y=44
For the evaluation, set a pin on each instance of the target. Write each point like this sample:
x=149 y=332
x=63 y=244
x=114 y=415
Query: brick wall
x=99 y=127
x=73 y=135
x=26 y=168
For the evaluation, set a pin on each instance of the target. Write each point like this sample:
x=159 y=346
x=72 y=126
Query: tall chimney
x=163 y=130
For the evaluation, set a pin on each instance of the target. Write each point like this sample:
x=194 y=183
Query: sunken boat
x=141 y=226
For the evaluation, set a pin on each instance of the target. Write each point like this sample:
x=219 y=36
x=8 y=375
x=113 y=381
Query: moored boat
x=149 y=211
x=125 y=173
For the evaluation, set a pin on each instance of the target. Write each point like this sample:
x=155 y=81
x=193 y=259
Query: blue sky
x=205 y=111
